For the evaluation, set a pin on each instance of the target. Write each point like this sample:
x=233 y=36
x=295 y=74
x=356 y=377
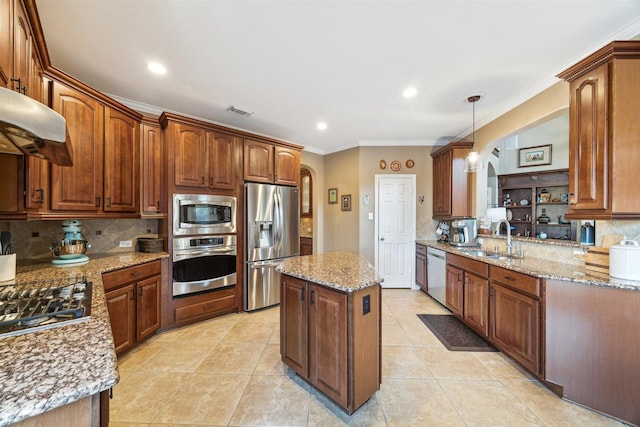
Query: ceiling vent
x=239 y=111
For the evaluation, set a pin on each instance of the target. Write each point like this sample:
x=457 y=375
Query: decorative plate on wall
x=395 y=166
x=409 y=164
x=383 y=164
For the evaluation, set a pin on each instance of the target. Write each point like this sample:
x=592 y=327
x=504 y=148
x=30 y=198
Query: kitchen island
x=578 y=328
x=63 y=369
x=330 y=325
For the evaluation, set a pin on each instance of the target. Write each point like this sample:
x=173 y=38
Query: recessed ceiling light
x=157 y=68
x=321 y=126
x=409 y=92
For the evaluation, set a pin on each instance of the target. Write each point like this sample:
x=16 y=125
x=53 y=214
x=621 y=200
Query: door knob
x=382 y=239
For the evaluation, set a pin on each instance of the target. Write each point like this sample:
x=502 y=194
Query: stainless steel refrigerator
x=272 y=234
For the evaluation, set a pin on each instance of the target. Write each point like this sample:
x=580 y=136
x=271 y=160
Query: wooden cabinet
x=106 y=146
x=421 y=267
x=514 y=188
x=205 y=306
x=476 y=303
x=451 y=184
x=11 y=168
x=455 y=290
x=153 y=187
x=332 y=339
x=306 y=246
x=603 y=149
x=515 y=316
x=20 y=65
x=469 y=295
x=121 y=162
x=204 y=159
x=133 y=301
x=6 y=42
x=79 y=187
x=306 y=194
x=268 y=163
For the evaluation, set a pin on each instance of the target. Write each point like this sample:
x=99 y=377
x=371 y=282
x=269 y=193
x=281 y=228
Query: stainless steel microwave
x=198 y=214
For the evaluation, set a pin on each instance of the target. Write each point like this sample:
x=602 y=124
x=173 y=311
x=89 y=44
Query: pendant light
x=472 y=162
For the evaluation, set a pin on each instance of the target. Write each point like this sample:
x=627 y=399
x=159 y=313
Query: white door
x=395 y=229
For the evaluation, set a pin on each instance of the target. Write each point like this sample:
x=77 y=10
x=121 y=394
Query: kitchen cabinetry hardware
x=301 y=294
x=98 y=201
x=311 y=299
x=40 y=191
x=19 y=88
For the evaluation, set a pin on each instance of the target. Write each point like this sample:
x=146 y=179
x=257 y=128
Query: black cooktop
x=32 y=306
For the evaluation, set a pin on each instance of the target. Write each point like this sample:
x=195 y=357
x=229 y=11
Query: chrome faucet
x=509 y=246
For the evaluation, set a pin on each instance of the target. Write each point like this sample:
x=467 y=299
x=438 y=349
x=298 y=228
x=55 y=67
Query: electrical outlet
x=370 y=216
x=366 y=304
x=126 y=243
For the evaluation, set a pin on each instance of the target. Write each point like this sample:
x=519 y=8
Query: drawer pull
x=136 y=273
x=510 y=278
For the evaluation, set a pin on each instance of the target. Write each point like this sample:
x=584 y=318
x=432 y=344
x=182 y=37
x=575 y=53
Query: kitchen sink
x=485 y=254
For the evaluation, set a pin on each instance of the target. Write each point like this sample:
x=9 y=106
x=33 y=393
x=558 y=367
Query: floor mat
x=454 y=334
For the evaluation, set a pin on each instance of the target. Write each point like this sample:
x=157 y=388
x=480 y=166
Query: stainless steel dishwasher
x=437 y=274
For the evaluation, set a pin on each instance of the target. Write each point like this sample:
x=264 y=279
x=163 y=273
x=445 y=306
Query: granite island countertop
x=46 y=369
x=543 y=268
x=343 y=271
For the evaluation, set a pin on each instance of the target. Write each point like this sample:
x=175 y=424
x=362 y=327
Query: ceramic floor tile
x=250 y=332
x=418 y=333
x=393 y=334
x=184 y=358
x=323 y=412
x=204 y=399
x=488 y=403
x=554 y=411
x=273 y=401
x=403 y=362
x=139 y=355
x=231 y=358
x=411 y=402
x=140 y=396
x=270 y=362
x=266 y=315
x=445 y=364
x=501 y=367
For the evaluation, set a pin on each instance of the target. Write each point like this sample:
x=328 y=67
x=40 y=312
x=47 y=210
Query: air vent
x=239 y=111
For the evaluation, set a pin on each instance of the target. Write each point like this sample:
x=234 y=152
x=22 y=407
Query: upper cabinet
x=268 y=163
x=306 y=194
x=20 y=65
x=451 y=184
x=152 y=153
x=603 y=150
x=121 y=162
x=202 y=157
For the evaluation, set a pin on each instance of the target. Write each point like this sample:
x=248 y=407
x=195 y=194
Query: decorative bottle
x=543 y=218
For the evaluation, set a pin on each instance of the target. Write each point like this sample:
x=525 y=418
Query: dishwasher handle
x=435 y=255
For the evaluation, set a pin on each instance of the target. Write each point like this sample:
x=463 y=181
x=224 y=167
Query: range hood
x=29 y=127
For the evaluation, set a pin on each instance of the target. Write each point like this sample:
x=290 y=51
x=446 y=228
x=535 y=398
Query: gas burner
x=27 y=307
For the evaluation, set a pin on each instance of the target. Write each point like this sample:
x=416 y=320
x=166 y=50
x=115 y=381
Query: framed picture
x=346 y=202
x=534 y=156
x=333 y=196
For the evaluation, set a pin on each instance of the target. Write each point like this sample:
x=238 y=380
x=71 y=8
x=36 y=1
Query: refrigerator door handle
x=256 y=265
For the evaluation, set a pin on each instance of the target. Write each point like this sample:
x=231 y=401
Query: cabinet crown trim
x=624 y=49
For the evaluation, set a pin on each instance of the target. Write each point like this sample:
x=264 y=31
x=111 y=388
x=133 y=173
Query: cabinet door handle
x=158 y=204
x=98 y=201
x=41 y=198
x=133 y=295
x=301 y=294
x=312 y=301
x=202 y=180
x=24 y=90
x=19 y=88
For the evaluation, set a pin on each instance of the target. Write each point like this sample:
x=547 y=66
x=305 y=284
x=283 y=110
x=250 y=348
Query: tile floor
x=227 y=372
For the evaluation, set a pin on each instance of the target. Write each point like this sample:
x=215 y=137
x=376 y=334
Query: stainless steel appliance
x=464 y=232
x=32 y=306
x=437 y=274
x=203 y=263
x=272 y=234
x=203 y=214
x=29 y=127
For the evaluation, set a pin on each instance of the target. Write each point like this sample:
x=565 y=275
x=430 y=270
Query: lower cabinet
x=133 y=301
x=455 y=290
x=421 y=267
x=306 y=246
x=332 y=339
x=476 y=307
x=515 y=317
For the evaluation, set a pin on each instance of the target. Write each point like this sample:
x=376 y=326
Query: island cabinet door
x=122 y=311
x=328 y=342
x=294 y=348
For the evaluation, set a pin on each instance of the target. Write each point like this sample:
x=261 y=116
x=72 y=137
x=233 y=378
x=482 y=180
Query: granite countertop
x=544 y=268
x=43 y=370
x=343 y=271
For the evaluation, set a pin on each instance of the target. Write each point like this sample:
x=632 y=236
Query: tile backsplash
x=31 y=239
